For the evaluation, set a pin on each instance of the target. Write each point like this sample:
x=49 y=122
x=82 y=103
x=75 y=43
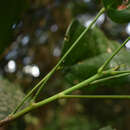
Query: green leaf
x=112 y=3
x=10 y=12
x=90 y=53
x=85 y=48
x=89 y=67
x=10 y=96
x=120 y=16
x=115 y=14
x=84 y=69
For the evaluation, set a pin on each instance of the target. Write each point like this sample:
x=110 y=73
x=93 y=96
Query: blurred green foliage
x=10 y=96
x=85 y=48
x=85 y=60
x=71 y=124
x=107 y=128
x=118 y=15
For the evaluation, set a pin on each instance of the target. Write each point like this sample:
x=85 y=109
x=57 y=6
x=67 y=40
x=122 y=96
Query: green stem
x=82 y=84
x=38 y=91
x=110 y=58
x=27 y=109
x=26 y=97
x=69 y=50
x=46 y=78
x=91 y=80
x=97 y=96
x=61 y=95
x=50 y=99
x=120 y=72
x=108 y=78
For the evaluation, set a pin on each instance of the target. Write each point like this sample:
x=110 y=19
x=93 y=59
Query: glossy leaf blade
x=117 y=10
x=92 y=44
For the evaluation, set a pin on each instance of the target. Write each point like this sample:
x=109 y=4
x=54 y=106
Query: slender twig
x=97 y=96
x=109 y=59
x=46 y=78
x=108 y=78
x=111 y=71
x=27 y=96
x=50 y=99
x=120 y=72
x=73 y=45
x=38 y=91
x=82 y=84
x=57 y=96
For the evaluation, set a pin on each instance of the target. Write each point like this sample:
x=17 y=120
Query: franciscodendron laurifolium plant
x=76 y=43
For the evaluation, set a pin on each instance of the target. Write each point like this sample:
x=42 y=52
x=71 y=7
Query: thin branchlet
x=113 y=73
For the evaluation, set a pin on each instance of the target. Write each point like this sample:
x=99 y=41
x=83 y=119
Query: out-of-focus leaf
x=87 y=68
x=112 y=3
x=90 y=53
x=117 y=10
x=70 y=123
x=107 y=128
x=10 y=97
x=10 y=12
x=80 y=7
x=92 y=44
